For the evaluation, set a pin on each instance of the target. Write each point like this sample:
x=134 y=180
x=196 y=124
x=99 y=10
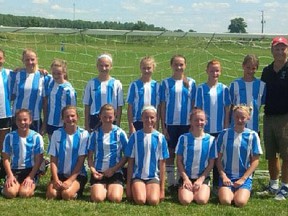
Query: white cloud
x=248 y=1
x=210 y=5
x=128 y=6
x=176 y=9
x=271 y=5
x=40 y=1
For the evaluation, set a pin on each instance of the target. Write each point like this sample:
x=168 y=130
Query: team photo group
x=185 y=139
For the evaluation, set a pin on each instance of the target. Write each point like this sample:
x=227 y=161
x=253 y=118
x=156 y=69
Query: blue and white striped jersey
x=142 y=94
x=213 y=101
x=22 y=150
x=196 y=152
x=99 y=93
x=249 y=93
x=147 y=149
x=107 y=147
x=59 y=96
x=237 y=149
x=67 y=148
x=178 y=100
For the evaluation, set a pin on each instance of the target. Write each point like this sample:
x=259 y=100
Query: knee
x=202 y=201
x=240 y=203
x=97 y=199
x=115 y=198
x=225 y=201
x=10 y=194
x=139 y=200
x=153 y=201
x=184 y=201
x=25 y=193
x=67 y=195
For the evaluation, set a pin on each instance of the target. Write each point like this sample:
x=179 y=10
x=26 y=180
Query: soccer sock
x=274 y=183
x=170 y=169
x=284 y=184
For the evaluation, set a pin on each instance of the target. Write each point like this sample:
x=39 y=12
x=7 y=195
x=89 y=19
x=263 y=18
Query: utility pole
x=74 y=11
x=262 y=22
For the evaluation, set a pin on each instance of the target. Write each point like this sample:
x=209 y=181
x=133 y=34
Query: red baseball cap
x=279 y=40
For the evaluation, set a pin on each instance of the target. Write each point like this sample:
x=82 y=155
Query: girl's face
x=213 y=71
x=30 y=61
x=70 y=117
x=198 y=121
x=241 y=117
x=178 y=65
x=147 y=68
x=58 y=74
x=107 y=116
x=2 y=59
x=149 y=118
x=104 y=65
x=23 y=121
x=249 y=70
x=279 y=52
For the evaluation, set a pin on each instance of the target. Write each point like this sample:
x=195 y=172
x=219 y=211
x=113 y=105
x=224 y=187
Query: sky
x=198 y=15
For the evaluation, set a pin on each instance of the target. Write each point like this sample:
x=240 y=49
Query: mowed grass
x=80 y=51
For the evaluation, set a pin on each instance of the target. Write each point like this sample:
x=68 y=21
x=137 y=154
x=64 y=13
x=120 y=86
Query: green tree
x=238 y=25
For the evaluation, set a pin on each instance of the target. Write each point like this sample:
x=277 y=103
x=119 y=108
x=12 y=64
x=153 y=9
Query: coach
x=275 y=121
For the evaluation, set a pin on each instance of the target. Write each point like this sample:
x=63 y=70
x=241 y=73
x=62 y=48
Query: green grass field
x=81 y=51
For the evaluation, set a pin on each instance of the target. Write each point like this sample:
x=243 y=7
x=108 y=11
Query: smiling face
x=178 y=64
x=249 y=70
x=279 y=52
x=23 y=121
x=147 y=68
x=30 y=61
x=241 y=117
x=70 y=117
x=104 y=65
x=149 y=118
x=107 y=116
x=58 y=74
x=198 y=120
x=213 y=71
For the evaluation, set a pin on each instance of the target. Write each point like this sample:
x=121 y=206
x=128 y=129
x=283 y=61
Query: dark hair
x=185 y=79
x=67 y=108
x=251 y=58
x=23 y=110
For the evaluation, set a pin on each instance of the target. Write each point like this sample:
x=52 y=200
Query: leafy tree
x=238 y=25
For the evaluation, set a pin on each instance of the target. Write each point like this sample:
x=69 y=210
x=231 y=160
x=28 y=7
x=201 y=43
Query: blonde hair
x=29 y=50
x=244 y=107
x=67 y=108
x=196 y=111
x=106 y=107
x=60 y=63
x=23 y=110
x=105 y=55
x=148 y=59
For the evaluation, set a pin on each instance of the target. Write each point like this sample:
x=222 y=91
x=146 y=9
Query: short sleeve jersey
x=213 y=101
x=67 y=148
x=107 y=147
x=142 y=94
x=147 y=149
x=249 y=93
x=22 y=150
x=5 y=89
x=59 y=96
x=99 y=93
x=237 y=150
x=178 y=100
x=196 y=153
x=29 y=89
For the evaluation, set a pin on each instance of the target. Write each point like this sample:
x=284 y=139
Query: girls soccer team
x=188 y=132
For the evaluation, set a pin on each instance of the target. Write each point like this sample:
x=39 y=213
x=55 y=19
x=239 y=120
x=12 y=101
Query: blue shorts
x=50 y=129
x=246 y=185
x=175 y=131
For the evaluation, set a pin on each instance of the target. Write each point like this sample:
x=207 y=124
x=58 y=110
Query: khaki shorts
x=275 y=134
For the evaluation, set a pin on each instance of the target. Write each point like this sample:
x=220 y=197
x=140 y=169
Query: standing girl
x=60 y=93
x=107 y=143
x=29 y=88
x=177 y=100
x=147 y=151
x=196 y=152
x=249 y=90
x=142 y=92
x=239 y=149
x=22 y=156
x=5 y=105
x=67 y=150
x=101 y=90
x=213 y=97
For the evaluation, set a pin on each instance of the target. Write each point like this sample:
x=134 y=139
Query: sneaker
x=268 y=191
x=282 y=193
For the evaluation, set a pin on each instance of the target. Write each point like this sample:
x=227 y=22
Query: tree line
x=29 y=21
